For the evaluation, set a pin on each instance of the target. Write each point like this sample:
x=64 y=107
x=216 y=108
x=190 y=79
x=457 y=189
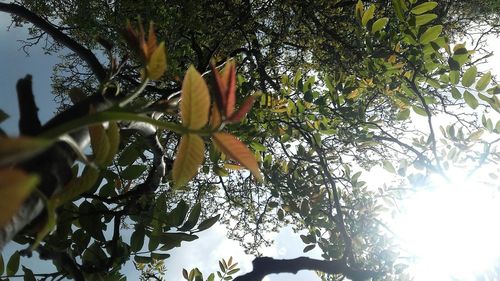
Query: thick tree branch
x=263 y=266
x=58 y=36
x=29 y=124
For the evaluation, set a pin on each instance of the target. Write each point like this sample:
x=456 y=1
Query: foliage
x=327 y=90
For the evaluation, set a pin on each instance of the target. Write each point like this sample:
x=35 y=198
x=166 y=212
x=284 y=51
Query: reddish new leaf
x=189 y=157
x=242 y=111
x=195 y=100
x=238 y=151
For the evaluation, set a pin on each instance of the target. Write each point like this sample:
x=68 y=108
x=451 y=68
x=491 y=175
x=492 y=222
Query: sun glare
x=452 y=230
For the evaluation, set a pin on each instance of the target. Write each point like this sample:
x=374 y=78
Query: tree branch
x=263 y=266
x=29 y=124
x=58 y=36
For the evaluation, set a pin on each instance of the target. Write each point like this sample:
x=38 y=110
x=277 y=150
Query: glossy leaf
x=431 y=34
x=424 y=7
x=367 y=15
x=469 y=76
x=13 y=264
x=238 y=151
x=470 y=100
x=195 y=100
x=157 y=63
x=189 y=157
x=379 y=24
x=15 y=187
x=483 y=82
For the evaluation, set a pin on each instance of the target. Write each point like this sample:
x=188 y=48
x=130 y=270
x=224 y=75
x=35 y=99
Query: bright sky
x=457 y=220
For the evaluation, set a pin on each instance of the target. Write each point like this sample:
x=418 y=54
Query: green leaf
x=28 y=274
x=403 y=114
x=379 y=24
x=419 y=110
x=189 y=157
x=142 y=259
x=424 y=19
x=454 y=77
x=388 y=166
x=137 y=239
x=257 y=146
x=469 y=76
x=470 y=100
x=15 y=186
x=483 y=82
x=309 y=248
x=178 y=214
x=455 y=93
x=2 y=265
x=13 y=264
x=208 y=223
x=368 y=15
x=424 y=7
x=128 y=155
x=132 y=172
x=431 y=34
x=159 y=256
x=193 y=218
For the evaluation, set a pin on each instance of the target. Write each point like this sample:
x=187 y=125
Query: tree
x=334 y=84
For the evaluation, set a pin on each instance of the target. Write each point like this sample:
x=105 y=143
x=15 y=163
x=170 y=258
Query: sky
x=213 y=245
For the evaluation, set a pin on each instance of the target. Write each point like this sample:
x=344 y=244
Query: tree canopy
x=257 y=114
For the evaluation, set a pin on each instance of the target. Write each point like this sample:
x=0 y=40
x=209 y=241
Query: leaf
x=483 y=82
x=424 y=7
x=358 y=11
x=132 y=172
x=236 y=150
x=100 y=144
x=367 y=15
x=431 y=34
x=28 y=274
x=2 y=266
x=195 y=100
x=419 y=110
x=159 y=256
x=208 y=223
x=189 y=157
x=309 y=248
x=379 y=24
x=15 y=187
x=76 y=186
x=142 y=259
x=403 y=114
x=13 y=150
x=454 y=77
x=192 y=220
x=157 y=64
x=423 y=19
x=137 y=239
x=470 y=100
x=13 y=264
x=113 y=134
x=469 y=76
x=243 y=110
x=388 y=166
x=455 y=93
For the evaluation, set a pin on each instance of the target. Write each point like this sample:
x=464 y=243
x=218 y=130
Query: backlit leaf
x=189 y=157
x=483 y=82
x=100 y=144
x=195 y=100
x=470 y=100
x=388 y=166
x=469 y=76
x=431 y=34
x=233 y=148
x=157 y=64
x=367 y=15
x=424 y=7
x=15 y=187
x=419 y=110
x=379 y=24
x=113 y=134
